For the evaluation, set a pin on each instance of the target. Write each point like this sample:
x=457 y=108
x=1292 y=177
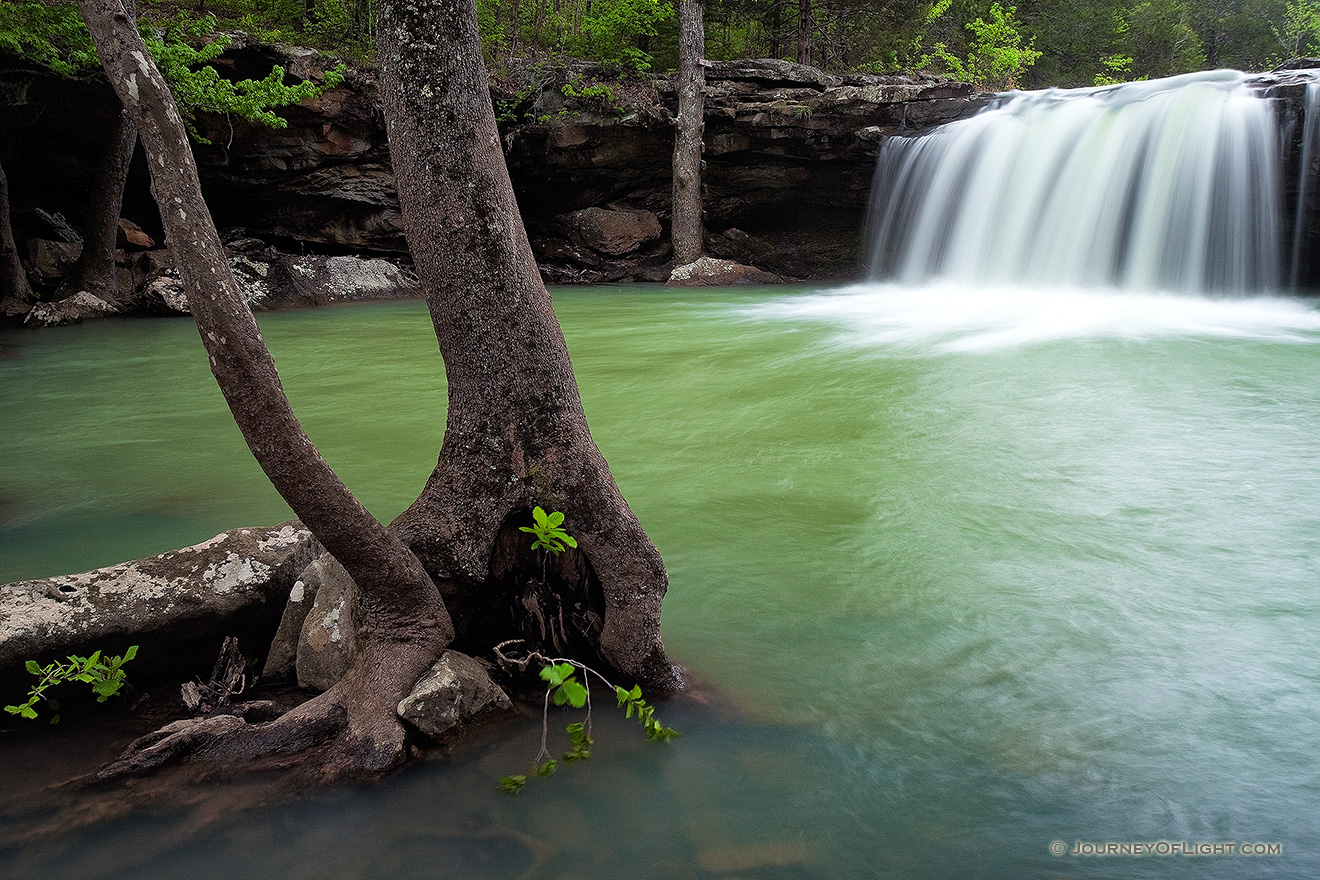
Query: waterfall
x=1166 y=185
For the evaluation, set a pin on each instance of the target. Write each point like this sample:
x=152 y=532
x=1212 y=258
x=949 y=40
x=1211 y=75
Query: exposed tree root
x=353 y=726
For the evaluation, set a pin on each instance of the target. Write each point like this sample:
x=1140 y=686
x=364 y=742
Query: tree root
x=352 y=729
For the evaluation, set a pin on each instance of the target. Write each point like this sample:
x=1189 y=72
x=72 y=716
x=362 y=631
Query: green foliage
x=183 y=53
x=104 y=674
x=1299 y=33
x=50 y=34
x=620 y=32
x=564 y=688
x=996 y=56
x=1117 y=68
x=548 y=532
x=633 y=703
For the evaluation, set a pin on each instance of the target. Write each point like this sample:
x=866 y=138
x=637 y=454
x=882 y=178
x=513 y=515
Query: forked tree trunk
x=13 y=280
x=516 y=434
x=685 y=219
x=405 y=625
x=94 y=272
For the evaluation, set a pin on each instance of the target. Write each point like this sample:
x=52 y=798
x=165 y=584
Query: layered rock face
x=789 y=157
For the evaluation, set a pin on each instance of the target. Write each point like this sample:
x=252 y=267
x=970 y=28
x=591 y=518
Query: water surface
x=985 y=569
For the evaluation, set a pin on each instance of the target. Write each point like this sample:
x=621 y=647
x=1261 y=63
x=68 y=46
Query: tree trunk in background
x=405 y=625
x=14 y=285
x=804 y=32
x=685 y=220
x=516 y=435
x=94 y=272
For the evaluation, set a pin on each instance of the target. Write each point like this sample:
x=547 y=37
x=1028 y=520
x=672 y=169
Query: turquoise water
x=986 y=570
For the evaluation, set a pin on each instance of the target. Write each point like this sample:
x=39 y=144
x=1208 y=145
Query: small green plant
x=104 y=674
x=548 y=532
x=564 y=688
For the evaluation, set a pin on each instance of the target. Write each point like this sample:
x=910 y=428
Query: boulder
x=453 y=692
x=712 y=272
x=177 y=606
x=70 y=310
x=328 y=636
x=319 y=280
x=613 y=231
x=131 y=236
x=52 y=260
x=283 y=653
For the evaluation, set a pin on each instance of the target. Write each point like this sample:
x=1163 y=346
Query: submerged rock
x=177 y=606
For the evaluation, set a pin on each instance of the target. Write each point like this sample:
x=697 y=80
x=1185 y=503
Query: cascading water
x=1165 y=185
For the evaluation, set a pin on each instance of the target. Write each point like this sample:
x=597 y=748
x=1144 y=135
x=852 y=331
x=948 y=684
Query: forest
x=1035 y=44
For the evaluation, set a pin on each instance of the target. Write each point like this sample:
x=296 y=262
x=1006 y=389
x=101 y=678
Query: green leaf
x=512 y=784
x=547 y=768
x=569 y=540
x=575 y=728
x=554 y=520
x=130 y=653
x=33 y=667
x=557 y=673
x=28 y=712
x=13 y=710
x=575 y=693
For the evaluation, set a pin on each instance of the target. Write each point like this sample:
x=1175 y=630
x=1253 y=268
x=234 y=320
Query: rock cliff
x=789 y=157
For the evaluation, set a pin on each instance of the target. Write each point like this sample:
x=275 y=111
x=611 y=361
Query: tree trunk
x=804 y=32
x=516 y=435
x=405 y=625
x=94 y=272
x=14 y=287
x=685 y=219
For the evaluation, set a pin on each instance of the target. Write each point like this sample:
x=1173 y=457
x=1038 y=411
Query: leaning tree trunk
x=14 y=285
x=516 y=435
x=94 y=272
x=405 y=625
x=685 y=218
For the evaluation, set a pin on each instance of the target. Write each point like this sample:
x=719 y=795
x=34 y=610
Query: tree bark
x=94 y=272
x=405 y=625
x=685 y=219
x=805 y=26
x=14 y=285
x=516 y=434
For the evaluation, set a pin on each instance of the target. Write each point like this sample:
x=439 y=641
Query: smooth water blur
x=1171 y=184
x=984 y=573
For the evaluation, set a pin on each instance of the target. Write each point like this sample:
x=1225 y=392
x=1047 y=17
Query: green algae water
x=987 y=572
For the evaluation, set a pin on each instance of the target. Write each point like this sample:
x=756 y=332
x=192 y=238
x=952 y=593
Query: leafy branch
x=564 y=688
x=105 y=675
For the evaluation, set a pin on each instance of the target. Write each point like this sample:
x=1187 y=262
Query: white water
x=1170 y=185
x=952 y=317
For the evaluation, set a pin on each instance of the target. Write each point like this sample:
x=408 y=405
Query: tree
x=685 y=217
x=14 y=287
x=516 y=434
x=804 y=32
